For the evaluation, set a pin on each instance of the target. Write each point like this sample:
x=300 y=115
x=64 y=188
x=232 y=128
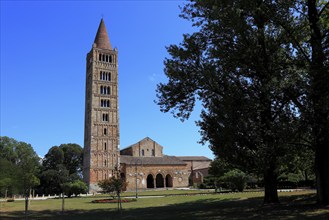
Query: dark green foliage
x=260 y=71
x=8 y=178
x=54 y=157
x=236 y=180
x=52 y=179
x=236 y=66
x=307 y=25
x=19 y=166
x=218 y=167
x=77 y=187
x=112 y=185
x=73 y=154
x=61 y=167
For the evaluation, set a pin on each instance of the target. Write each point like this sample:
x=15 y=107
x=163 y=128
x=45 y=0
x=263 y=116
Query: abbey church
x=143 y=164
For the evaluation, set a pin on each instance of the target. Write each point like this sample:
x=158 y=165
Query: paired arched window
x=106 y=76
x=105 y=58
x=105 y=117
x=105 y=103
x=105 y=90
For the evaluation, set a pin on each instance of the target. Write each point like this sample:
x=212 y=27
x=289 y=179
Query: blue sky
x=43 y=51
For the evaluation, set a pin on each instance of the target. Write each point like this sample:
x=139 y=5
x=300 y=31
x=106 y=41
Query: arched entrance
x=159 y=181
x=150 y=181
x=169 y=181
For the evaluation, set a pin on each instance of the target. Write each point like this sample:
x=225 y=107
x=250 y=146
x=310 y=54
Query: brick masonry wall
x=155 y=176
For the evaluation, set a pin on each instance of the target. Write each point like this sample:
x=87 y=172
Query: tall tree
x=19 y=165
x=237 y=65
x=308 y=29
x=61 y=166
x=318 y=18
x=54 y=157
x=73 y=154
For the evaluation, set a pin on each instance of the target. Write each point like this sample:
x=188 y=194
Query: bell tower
x=101 y=134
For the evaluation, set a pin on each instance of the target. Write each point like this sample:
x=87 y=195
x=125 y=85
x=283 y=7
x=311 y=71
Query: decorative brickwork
x=143 y=165
x=101 y=151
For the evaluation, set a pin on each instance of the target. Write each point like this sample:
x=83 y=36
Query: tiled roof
x=194 y=158
x=165 y=160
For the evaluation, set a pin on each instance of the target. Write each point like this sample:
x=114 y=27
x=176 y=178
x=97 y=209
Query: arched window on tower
x=105 y=163
x=101 y=90
x=110 y=59
x=107 y=58
x=105 y=146
x=105 y=131
x=100 y=57
x=105 y=117
x=103 y=57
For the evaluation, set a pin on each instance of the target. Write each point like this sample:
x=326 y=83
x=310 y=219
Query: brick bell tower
x=101 y=137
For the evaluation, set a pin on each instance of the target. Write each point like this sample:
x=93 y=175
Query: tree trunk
x=63 y=197
x=26 y=202
x=319 y=98
x=119 y=202
x=322 y=173
x=271 y=188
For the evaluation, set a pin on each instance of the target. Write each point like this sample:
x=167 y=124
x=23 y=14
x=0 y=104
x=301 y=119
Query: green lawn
x=294 y=205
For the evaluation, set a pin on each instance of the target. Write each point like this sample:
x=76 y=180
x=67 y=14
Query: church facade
x=142 y=165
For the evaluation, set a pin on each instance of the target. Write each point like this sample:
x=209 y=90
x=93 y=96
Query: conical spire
x=102 y=40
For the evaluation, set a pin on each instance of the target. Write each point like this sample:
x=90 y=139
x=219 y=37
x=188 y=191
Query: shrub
x=235 y=180
x=76 y=187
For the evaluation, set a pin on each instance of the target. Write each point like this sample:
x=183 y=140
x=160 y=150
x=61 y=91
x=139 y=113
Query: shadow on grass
x=291 y=207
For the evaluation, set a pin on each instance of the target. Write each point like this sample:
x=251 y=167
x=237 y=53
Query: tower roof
x=102 y=40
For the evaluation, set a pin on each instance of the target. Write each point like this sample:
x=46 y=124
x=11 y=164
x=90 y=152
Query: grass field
x=294 y=205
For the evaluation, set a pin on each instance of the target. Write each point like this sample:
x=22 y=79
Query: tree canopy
x=249 y=69
x=19 y=166
x=61 y=169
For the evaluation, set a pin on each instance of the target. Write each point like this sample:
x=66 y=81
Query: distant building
x=143 y=165
x=153 y=169
x=198 y=167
